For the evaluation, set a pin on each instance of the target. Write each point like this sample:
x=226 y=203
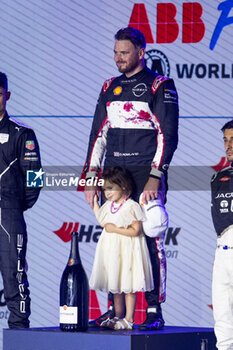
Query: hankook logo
x=157 y=62
x=139 y=89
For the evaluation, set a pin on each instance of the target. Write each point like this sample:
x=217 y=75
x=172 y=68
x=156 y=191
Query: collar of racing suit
x=134 y=77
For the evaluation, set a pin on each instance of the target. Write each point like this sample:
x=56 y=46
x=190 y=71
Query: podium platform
x=169 y=338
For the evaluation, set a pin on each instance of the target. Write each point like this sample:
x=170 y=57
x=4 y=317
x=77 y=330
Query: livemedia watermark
x=60 y=178
x=70 y=178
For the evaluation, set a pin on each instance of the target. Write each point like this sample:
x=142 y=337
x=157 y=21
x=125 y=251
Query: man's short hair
x=228 y=125
x=3 y=81
x=132 y=34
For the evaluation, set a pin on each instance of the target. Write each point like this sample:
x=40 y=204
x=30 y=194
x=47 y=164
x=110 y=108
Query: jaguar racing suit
x=222 y=284
x=19 y=152
x=136 y=126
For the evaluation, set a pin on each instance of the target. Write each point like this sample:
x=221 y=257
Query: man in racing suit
x=222 y=214
x=19 y=152
x=136 y=123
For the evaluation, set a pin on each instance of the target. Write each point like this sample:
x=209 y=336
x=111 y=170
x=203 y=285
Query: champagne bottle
x=74 y=292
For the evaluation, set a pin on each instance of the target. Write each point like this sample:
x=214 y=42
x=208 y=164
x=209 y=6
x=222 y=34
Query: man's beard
x=128 y=68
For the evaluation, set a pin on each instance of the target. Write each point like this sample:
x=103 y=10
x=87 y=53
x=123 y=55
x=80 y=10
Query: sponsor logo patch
x=33 y=159
x=224 y=210
x=107 y=84
x=117 y=90
x=139 y=89
x=118 y=154
x=30 y=145
x=224 y=195
x=170 y=95
x=224 y=179
x=224 y=204
x=30 y=154
x=4 y=138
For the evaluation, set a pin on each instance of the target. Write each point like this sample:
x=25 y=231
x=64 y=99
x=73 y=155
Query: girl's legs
x=120 y=301
x=119 y=304
x=130 y=301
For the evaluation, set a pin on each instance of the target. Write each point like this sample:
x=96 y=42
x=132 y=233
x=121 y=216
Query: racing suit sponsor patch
x=119 y=154
x=33 y=159
x=139 y=89
x=157 y=82
x=4 y=138
x=107 y=84
x=117 y=90
x=170 y=96
x=30 y=154
x=30 y=145
x=224 y=179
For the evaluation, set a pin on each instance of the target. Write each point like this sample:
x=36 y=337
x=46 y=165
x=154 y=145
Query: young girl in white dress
x=122 y=264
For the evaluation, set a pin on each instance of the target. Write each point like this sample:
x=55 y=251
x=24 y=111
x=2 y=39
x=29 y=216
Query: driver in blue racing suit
x=19 y=152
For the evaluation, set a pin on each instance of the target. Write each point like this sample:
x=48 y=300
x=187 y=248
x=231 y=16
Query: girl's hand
x=96 y=206
x=132 y=230
x=96 y=199
x=110 y=228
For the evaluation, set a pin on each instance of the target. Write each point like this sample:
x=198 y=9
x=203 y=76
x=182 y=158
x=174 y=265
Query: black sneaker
x=109 y=314
x=154 y=319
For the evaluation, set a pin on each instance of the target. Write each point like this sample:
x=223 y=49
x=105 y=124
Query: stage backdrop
x=57 y=54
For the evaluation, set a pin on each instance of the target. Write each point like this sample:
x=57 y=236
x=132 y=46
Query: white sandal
x=109 y=322
x=123 y=324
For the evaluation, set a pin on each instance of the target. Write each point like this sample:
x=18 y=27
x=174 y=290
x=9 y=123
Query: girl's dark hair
x=119 y=176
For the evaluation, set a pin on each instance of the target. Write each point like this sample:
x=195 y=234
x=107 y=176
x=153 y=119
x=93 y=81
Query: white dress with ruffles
x=122 y=263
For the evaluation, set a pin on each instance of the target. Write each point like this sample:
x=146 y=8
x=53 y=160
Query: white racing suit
x=222 y=284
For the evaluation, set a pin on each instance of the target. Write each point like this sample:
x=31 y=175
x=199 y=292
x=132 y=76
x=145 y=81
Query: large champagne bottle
x=74 y=292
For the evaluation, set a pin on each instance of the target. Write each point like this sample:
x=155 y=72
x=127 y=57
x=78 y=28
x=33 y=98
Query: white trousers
x=222 y=292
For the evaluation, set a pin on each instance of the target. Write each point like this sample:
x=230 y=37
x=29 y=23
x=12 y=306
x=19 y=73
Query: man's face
x=128 y=58
x=4 y=96
x=228 y=143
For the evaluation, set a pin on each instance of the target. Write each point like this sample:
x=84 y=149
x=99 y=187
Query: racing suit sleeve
x=98 y=139
x=28 y=154
x=166 y=111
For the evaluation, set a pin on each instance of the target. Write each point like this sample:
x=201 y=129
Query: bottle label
x=69 y=314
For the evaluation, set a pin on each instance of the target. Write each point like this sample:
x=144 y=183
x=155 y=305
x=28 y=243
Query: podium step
x=169 y=338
